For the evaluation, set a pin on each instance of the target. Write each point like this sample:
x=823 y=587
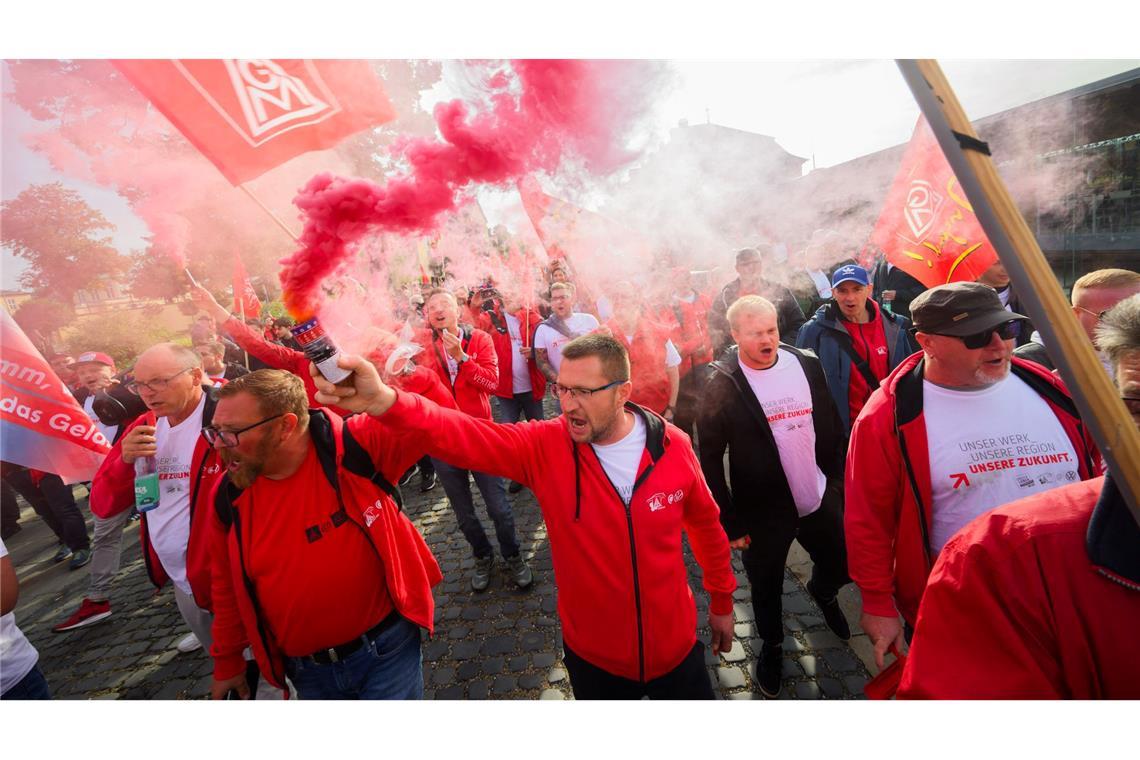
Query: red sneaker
x=89 y=612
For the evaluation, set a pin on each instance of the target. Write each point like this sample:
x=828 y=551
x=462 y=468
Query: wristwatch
x=462 y=359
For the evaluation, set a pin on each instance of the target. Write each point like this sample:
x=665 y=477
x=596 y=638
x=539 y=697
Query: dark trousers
x=507 y=410
x=689 y=680
x=31 y=686
x=821 y=534
x=55 y=503
x=427 y=469
x=689 y=398
x=457 y=486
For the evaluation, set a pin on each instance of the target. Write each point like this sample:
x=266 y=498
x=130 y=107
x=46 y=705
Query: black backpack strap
x=359 y=462
x=859 y=362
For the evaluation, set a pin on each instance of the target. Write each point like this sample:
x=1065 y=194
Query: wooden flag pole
x=267 y=210
x=1097 y=400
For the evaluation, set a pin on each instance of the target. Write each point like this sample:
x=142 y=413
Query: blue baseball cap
x=850 y=273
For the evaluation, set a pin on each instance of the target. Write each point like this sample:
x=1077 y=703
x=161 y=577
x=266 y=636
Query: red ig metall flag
x=41 y=425
x=250 y=115
x=927 y=227
x=246 y=301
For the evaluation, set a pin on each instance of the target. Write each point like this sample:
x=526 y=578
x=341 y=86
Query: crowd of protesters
x=893 y=430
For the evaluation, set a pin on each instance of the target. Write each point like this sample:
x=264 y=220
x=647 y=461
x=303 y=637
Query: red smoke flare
x=563 y=108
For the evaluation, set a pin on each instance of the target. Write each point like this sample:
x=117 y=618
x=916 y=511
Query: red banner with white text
x=41 y=425
x=927 y=227
x=248 y=116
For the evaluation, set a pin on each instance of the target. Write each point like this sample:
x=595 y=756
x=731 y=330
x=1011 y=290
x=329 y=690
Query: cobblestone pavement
x=501 y=644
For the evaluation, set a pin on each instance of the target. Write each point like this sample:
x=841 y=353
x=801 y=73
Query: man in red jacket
x=1041 y=598
x=653 y=359
x=168 y=378
x=466 y=362
x=273 y=355
x=617 y=486
x=315 y=567
x=953 y=432
x=689 y=309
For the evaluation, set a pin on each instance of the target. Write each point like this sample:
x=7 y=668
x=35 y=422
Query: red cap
x=95 y=357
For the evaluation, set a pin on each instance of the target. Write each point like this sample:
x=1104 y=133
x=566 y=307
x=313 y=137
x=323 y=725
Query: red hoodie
x=113 y=491
x=504 y=349
x=887 y=552
x=623 y=591
x=478 y=377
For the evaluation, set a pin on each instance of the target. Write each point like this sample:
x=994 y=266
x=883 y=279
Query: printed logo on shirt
x=656 y=502
x=373 y=513
x=677 y=496
x=881 y=350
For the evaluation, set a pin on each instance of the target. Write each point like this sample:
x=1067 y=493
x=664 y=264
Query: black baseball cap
x=959 y=309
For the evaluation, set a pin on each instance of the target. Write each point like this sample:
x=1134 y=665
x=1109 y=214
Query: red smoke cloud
x=538 y=116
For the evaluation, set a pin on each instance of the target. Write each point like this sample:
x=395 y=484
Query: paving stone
x=742 y=594
x=744 y=630
x=434 y=650
x=465 y=650
x=791 y=644
x=544 y=659
x=840 y=661
x=555 y=675
x=173 y=689
x=822 y=640
x=458 y=632
x=530 y=681
x=854 y=685
x=546 y=622
x=467 y=670
x=442 y=676
x=505 y=685
x=472 y=613
x=549 y=604
x=478 y=690
x=518 y=664
x=730 y=678
x=552 y=694
x=481 y=627
x=736 y=654
x=742 y=612
x=807 y=690
x=811 y=621
x=831 y=688
x=451 y=692
x=493 y=665
x=810 y=665
x=503 y=624
x=797 y=604
x=499 y=645
x=743 y=695
x=533 y=641
x=793 y=624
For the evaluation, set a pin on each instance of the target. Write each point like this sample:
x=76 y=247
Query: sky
x=825 y=110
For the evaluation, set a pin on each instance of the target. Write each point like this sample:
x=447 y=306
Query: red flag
x=928 y=229
x=246 y=301
x=248 y=116
x=41 y=426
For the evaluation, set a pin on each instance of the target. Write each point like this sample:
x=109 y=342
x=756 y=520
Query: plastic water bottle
x=320 y=350
x=146 y=484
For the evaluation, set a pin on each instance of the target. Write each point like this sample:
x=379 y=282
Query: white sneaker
x=189 y=644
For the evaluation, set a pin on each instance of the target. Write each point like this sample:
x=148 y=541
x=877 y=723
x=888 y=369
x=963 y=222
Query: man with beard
x=617 y=486
x=315 y=566
x=953 y=432
x=168 y=379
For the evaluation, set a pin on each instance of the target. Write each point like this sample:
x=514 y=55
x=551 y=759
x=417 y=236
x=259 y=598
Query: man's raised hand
x=365 y=393
x=205 y=301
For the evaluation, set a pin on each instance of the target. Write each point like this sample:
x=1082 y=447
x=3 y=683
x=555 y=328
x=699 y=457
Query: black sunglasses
x=1006 y=331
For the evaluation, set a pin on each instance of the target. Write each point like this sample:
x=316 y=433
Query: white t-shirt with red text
x=989 y=447
x=552 y=341
x=168 y=524
x=785 y=397
x=520 y=373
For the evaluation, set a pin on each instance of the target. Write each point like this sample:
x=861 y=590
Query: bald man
x=169 y=380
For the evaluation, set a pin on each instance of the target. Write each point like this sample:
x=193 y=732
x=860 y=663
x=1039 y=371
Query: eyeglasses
x=227 y=439
x=1098 y=314
x=580 y=393
x=1006 y=331
x=154 y=386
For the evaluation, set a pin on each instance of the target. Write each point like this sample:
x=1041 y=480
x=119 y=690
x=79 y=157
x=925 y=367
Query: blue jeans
x=388 y=668
x=31 y=686
x=507 y=410
x=457 y=486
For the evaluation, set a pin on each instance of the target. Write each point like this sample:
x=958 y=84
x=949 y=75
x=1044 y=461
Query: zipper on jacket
x=633 y=556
